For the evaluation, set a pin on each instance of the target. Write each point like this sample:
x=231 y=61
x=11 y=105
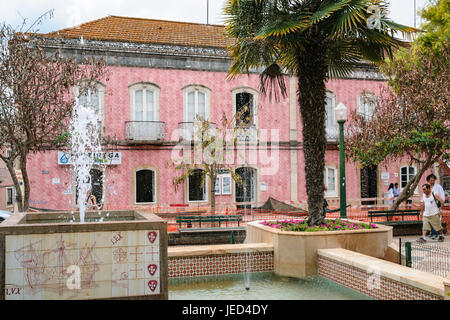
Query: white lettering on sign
x=107 y=158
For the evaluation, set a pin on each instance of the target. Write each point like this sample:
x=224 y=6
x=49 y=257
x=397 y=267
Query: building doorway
x=96 y=180
x=246 y=192
x=369 y=184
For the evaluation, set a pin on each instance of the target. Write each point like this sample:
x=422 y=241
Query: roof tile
x=138 y=30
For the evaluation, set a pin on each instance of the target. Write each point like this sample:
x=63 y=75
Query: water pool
x=263 y=286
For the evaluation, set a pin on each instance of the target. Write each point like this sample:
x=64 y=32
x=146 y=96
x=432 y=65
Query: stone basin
x=112 y=254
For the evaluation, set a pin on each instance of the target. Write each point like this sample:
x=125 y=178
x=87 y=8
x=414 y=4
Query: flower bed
x=330 y=225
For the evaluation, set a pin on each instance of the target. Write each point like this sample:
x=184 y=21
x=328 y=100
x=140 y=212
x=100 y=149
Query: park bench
x=190 y=220
x=401 y=227
x=395 y=213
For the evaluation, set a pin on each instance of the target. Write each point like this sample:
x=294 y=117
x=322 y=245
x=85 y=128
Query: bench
x=402 y=227
x=189 y=220
x=395 y=213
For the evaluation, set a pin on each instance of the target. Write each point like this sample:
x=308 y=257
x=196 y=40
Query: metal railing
x=431 y=258
x=145 y=130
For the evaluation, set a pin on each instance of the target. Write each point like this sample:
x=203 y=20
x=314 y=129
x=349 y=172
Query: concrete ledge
x=295 y=253
x=188 y=251
x=412 y=277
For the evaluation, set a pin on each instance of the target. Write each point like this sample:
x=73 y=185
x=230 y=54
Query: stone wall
x=376 y=278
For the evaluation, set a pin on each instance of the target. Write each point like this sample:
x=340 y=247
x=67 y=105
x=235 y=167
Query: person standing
x=436 y=188
x=396 y=190
x=391 y=195
x=430 y=212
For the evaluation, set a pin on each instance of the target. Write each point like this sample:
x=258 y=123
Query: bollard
x=408 y=254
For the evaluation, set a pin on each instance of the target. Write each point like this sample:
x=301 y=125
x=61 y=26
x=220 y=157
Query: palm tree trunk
x=312 y=75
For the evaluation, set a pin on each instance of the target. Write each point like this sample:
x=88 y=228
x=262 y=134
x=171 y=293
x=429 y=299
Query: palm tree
x=314 y=40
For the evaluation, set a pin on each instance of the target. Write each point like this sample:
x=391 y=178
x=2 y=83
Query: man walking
x=430 y=211
x=436 y=188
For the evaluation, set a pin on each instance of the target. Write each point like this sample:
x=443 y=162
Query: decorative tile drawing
x=37 y=265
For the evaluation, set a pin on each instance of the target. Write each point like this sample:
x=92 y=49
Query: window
x=367 y=103
x=244 y=109
x=197 y=186
x=196 y=103
x=330 y=105
x=223 y=184
x=244 y=106
x=406 y=174
x=94 y=98
x=330 y=178
x=145 y=186
x=144 y=102
x=9 y=196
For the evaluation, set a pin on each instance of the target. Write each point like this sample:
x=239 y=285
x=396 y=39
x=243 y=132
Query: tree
x=437 y=26
x=314 y=40
x=36 y=99
x=211 y=153
x=411 y=117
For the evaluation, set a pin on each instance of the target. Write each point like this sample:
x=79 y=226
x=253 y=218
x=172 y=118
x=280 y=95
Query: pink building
x=6 y=189
x=164 y=73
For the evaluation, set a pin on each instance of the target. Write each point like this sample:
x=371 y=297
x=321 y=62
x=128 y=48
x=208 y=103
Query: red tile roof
x=138 y=30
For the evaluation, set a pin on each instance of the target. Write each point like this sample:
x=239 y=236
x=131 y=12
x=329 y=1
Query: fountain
x=85 y=140
x=85 y=254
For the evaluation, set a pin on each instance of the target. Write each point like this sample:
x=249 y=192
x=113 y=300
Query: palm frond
x=326 y=9
x=283 y=25
x=272 y=82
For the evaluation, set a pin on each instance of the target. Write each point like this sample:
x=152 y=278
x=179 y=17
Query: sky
x=69 y=13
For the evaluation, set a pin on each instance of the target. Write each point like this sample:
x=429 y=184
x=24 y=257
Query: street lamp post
x=341 y=117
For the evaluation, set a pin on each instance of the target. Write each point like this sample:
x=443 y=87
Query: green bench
x=402 y=227
x=190 y=220
x=395 y=213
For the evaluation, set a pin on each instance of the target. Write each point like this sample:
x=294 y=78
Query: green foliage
x=437 y=26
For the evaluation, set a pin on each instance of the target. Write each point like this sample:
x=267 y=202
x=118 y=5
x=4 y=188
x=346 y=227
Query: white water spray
x=85 y=140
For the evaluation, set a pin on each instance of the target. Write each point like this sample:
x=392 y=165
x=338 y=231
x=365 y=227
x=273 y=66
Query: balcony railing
x=188 y=130
x=246 y=134
x=332 y=134
x=145 y=130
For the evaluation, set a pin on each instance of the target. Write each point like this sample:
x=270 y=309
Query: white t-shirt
x=438 y=190
x=390 y=195
x=430 y=206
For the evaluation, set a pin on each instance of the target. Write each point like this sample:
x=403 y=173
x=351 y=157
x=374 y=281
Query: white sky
x=68 y=13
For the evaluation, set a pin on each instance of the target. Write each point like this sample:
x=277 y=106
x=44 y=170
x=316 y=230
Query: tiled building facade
x=162 y=74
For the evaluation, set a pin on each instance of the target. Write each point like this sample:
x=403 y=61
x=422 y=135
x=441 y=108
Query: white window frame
x=416 y=191
x=196 y=89
x=13 y=193
x=205 y=190
x=155 y=189
x=331 y=124
x=101 y=88
x=145 y=87
x=220 y=181
x=255 y=99
x=363 y=107
x=331 y=193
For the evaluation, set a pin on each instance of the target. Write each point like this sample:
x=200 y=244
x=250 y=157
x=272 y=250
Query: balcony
x=151 y=131
x=188 y=130
x=332 y=134
x=246 y=134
